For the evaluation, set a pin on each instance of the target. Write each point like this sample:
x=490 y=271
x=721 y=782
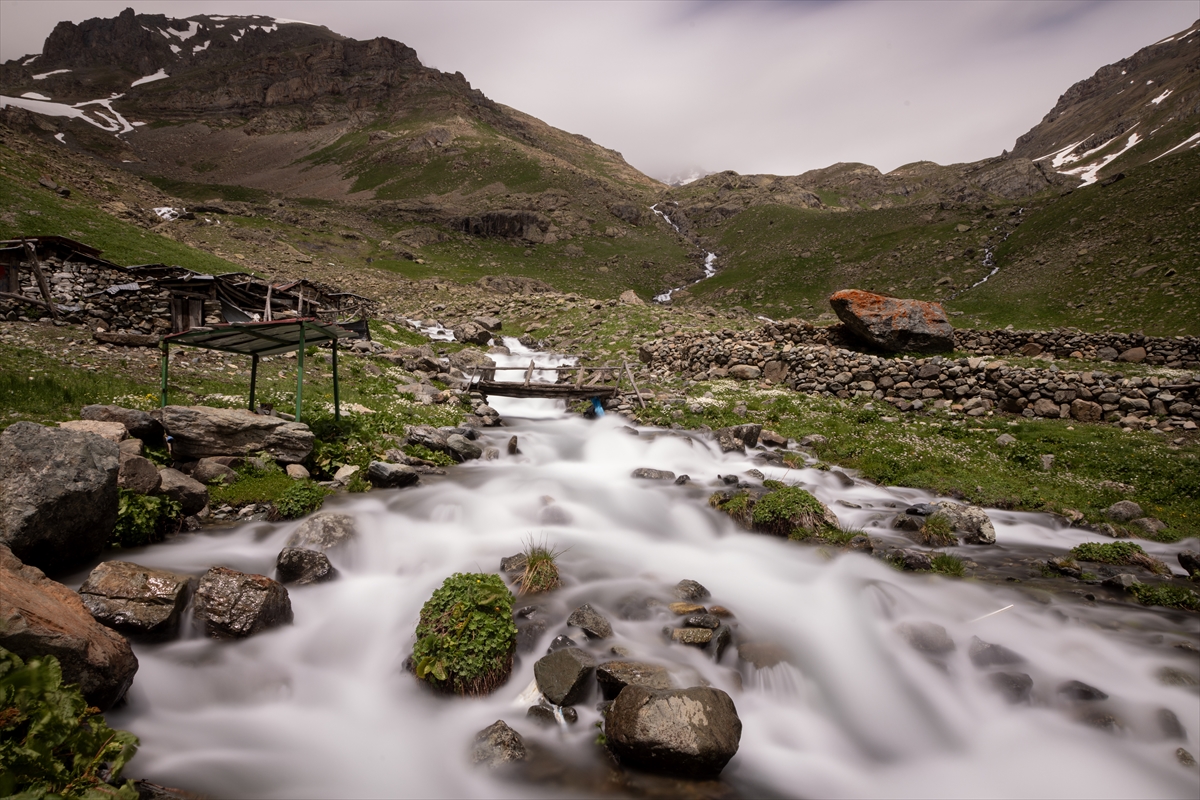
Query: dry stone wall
x=84 y=290
x=815 y=360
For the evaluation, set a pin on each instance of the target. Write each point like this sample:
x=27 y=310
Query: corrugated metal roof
x=261 y=338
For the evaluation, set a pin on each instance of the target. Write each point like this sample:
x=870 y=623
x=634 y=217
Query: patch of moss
x=1120 y=554
x=425 y=454
x=736 y=505
x=1166 y=595
x=938 y=531
x=785 y=509
x=466 y=636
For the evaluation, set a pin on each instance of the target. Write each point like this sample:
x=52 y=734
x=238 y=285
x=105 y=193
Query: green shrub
x=1120 y=554
x=785 y=509
x=433 y=456
x=144 y=519
x=52 y=744
x=300 y=498
x=466 y=636
x=1166 y=595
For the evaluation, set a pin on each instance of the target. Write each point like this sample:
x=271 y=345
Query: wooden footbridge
x=589 y=382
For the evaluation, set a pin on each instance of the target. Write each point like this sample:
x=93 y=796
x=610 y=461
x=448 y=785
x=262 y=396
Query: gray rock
x=490 y=323
x=1015 y=687
x=745 y=372
x=1045 y=407
x=559 y=642
x=323 y=531
x=1124 y=511
x=233 y=605
x=58 y=494
x=542 y=715
x=44 y=618
x=710 y=621
x=688 y=732
x=591 y=622
x=302 y=566
x=1086 y=411
x=473 y=333
x=138 y=474
x=927 y=637
x=1190 y=561
x=139 y=423
x=969 y=522
x=1148 y=525
x=1078 y=690
x=761 y=654
x=208 y=470
x=695 y=637
x=688 y=589
x=137 y=600
x=737 y=438
x=188 y=492
x=985 y=654
x=199 y=431
x=391 y=476
x=1122 y=583
x=462 y=448
x=297 y=472
x=613 y=676
x=1106 y=354
x=563 y=676
x=1004 y=440
x=645 y=473
x=1170 y=725
x=498 y=744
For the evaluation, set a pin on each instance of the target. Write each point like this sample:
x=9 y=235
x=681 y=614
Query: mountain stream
x=710 y=262
x=324 y=707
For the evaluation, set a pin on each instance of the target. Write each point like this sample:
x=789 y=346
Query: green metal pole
x=300 y=373
x=337 y=401
x=253 y=377
x=165 y=357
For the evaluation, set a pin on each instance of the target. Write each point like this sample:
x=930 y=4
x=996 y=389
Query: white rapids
x=324 y=708
x=710 y=261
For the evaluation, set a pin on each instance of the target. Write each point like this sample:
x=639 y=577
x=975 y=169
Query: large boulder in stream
x=137 y=600
x=200 y=431
x=41 y=617
x=323 y=532
x=689 y=732
x=892 y=324
x=563 y=675
x=234 y=605
x=58 y=494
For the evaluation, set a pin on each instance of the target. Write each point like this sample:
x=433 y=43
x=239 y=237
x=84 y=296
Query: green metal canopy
x=257 y=339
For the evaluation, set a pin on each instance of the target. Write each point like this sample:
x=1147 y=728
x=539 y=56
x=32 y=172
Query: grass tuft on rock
x=937 y=531
x=783 y=511
x=947 y=564
x=466 y=636
x=541 y=569
x=52 y=743
x=1120 y=554
x=1166 y=595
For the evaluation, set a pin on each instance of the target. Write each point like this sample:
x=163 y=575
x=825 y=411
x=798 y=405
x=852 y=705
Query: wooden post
x=579 y=378
x=253 y=378
x=166 y=356
x=42 y=283
x=337 y=400
x=300 y=373
x=267 y=310
x=636 y=390
x=529 y=372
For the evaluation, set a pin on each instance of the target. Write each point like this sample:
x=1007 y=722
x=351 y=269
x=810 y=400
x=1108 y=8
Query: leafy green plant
x=358 y=484
x=144 y=519
x=433 y=456
x=300 y=498
x=466 y=636
x=52 y=744
x=1166 y=595
x=1120 y=554
x=541 y=569
x=786 y=508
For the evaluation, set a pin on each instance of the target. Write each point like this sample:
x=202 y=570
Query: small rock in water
x=1185 y=758
x=498 y=744
x=688 y=732
x=709 y=621
x=761 y=654
x=323 y=532
x=1078 y=690
x=563 y=675
x=559 y=642
x=614 y=676
x=697 y=637
x=233 y=605
x=1123 y=582
x=637 y=607
x=513 y=564
x=1016 y=687
x=591 y=622
x=1170 y=676
x=1190 y=561
x=927 y=637
x=681 y=608
x=542 y=716
x=720 y=611
x=513 y=449
x=136 y=600
x=986 y=654
x=645 y=473
x=691 y=590
x=682 y=480
x=302 y=566
x=1170 y=725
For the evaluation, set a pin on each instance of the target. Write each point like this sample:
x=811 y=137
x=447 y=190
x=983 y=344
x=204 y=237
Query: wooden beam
x=636 y=390
x=529 y=372
x=43 y=284
x=25 y=299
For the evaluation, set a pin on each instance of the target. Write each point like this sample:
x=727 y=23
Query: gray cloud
x=757 y=87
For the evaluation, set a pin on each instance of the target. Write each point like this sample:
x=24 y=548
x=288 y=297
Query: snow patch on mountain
x=1090 y=172
x=158 y=76
x=1191 y=142
x=45 y=75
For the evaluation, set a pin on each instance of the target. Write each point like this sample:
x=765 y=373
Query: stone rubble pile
x=799 y=356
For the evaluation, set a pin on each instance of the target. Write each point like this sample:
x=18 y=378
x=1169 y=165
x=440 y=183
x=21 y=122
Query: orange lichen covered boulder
x=890 y=323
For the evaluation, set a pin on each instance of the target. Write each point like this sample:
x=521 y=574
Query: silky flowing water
x=324 y=707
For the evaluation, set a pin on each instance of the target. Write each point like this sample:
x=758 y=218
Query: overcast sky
x=778 y=87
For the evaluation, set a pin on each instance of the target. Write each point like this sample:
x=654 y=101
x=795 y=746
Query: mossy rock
x=1121 y=554
x=781 y=511
x=466 y=636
